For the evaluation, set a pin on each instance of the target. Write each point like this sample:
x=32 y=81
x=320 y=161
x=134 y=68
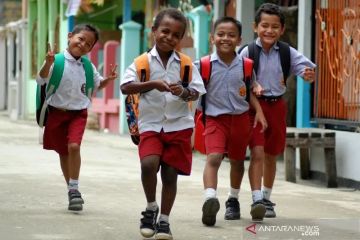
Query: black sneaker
x=148 y=222
x=210 y=209
x=75 y=200
x=232 y=209
x=163 y=231
x=258 y=210
x=270 y=212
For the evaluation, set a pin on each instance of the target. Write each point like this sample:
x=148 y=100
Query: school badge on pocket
x=242 y=91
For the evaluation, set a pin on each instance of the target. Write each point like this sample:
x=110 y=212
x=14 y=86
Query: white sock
x=152 y=206
x=234 y=193
x=164 y=218
x=73 y=184
x=257 y=195
x=210 y=193
x=266 y=192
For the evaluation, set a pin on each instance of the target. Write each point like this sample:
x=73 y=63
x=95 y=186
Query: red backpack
x=205 y=72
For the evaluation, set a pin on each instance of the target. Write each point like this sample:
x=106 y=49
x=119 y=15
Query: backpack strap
x=89 y=75
x=185 y=69
x=284 y=51
x=205 y=72
x=205 y=69
x=254 y=54
x=142 y=67
x=56 y=75
x=248 y=72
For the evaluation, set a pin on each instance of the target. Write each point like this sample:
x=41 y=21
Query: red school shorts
x=274 y=137
x=62 y=128
x=174 y=148
x=228 y=134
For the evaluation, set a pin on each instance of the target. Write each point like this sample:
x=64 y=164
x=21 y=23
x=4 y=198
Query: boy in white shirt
x=165 y=120
x=67 y=117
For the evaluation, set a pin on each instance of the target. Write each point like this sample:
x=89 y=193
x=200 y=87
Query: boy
x=165 y=120
x=66 y=121
x=227 y=128
x=266 y=146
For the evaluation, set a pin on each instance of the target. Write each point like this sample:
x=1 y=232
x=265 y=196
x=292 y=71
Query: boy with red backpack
x=227 y=124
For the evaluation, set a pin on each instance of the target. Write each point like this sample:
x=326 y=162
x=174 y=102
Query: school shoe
x=163 y=231
x=270 y=212
x=210 y=208
x=75 y=200
x=232 y=209
x=258 y=210
x=148 y=222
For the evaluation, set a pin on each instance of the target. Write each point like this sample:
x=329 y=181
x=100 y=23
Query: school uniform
x=270 y=77
x=67 y=106
x=164 y=118
x=227 y=128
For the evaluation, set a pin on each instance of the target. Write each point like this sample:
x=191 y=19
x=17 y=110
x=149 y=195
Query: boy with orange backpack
x=227 y=123
x=165 y=121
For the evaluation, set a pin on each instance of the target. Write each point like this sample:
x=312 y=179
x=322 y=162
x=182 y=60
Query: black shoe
x=75 y=200
x=232 y=209
x=258 y=211
x=148 y=222
x=210 y=209
x=163 y=231
x=270 y=212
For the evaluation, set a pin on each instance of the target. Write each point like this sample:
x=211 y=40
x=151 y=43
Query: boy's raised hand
x=309 y=74
x=50 y=55
x=113 y=73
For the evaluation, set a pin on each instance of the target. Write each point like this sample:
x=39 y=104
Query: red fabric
x=62 y=128
x=274 y=137
x=174 y=148
x=199 y=141
x=228 y=134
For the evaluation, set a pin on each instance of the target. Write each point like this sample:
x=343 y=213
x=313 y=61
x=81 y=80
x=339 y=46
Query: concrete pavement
x=33 y=197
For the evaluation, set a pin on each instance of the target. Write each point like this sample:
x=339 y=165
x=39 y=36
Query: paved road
x=34 y=200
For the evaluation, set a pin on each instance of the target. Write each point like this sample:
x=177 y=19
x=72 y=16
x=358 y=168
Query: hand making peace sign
x=50 y=55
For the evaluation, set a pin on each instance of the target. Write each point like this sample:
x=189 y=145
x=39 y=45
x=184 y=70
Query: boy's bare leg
x=64 y=163
x=256 y=167
x=149 y=168
x=236 y=173
x=210 y=175
x=269 y=170
x=169 y=188
x=74 y=160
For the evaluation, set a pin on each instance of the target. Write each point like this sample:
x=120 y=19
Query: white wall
x=347 y=156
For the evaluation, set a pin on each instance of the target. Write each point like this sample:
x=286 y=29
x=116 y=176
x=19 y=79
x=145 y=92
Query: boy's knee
x=214 y=160
x=73 y=147
x=149 y=166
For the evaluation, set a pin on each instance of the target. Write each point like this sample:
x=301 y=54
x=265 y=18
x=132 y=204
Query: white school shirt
x=162 y=110
x=71 y=94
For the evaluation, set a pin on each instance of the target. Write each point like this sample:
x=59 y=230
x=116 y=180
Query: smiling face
x=168 y=34
x=269 y=29
x=81 y=43
x=226 y=38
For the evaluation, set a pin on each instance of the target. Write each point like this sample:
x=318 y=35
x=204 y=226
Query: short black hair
x=272 y=9
x=172 y=13
x=237 y=23
x=86 y=27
